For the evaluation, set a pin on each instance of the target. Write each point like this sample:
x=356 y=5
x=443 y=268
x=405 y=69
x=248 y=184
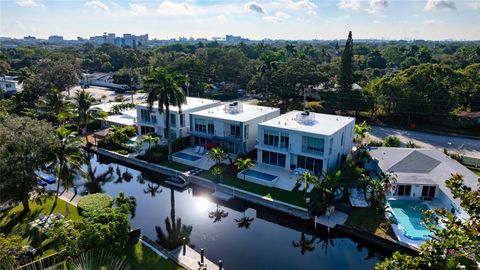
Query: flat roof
x=120 y=120
x=316 y=123
x=192 y=103
x=249 y=112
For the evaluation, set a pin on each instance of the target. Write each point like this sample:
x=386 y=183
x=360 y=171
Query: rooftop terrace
x=236 y=112
x=192 y=103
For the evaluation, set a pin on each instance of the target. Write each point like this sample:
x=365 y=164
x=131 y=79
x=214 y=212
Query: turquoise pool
x=260 y=175
x=186 y=156
x=409 y=216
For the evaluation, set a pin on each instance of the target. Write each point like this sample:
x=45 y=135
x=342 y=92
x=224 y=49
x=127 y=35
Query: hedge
x=94 y=202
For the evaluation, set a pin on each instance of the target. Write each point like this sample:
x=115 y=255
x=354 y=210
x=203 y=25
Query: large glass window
x=312 y=164
x=273 y=158
x=182 y=120
x=270 y=137
x=428 y=191
x=201 y=125
x=146 y=130
x=404 y=190
x=173 y=120
x=235 y=131
x=145 y=115
x=211 y=128
x=314 y=145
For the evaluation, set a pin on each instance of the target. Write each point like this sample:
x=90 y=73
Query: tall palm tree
x=83 y=100
x=306 y=180
x=244 y=164
x=24 y=74
x=59 y=107
x=331 y=182
x=163 y=87
x=217 y=214
x=217 y=155
x=305 y=245
x=269 y=64
x=361 y=130
x=67 y=161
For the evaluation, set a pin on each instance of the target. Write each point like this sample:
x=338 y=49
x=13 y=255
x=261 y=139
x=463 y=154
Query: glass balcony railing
x=263 y=145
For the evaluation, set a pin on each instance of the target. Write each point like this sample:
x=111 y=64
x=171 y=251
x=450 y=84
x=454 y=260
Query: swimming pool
x=260 y=175
x=257 y=177
x=186 y=156
x=409 y=216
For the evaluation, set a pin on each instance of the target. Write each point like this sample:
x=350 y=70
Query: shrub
x=391 y=141
x=94 y=201
x=411 y=144
x=375 y=143
x=122 y=152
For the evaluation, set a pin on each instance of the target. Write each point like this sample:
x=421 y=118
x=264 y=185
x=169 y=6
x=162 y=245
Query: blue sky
x=284 y=19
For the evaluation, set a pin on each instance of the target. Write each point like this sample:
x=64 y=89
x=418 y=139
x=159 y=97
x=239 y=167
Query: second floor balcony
x=278 y=147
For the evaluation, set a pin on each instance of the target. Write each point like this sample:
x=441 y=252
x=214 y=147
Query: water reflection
x=152 y=189
x=175 y=231
x=244 y=222
x=326 y=240
x=95 y=183
x=218 y=214
x=306 y=244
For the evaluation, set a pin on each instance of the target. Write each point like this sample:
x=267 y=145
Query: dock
x=192 y=258
x=222 y=196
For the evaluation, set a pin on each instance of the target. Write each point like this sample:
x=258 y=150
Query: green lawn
x=139 y=256
x=294 y=197
x=368 y=220
x=14 y=221
x=176 y=166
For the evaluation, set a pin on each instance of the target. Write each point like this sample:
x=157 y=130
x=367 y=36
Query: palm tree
x=217 y=214
x=24 y=74
x=290 y=49
x=304 y=244
x=68 y=160
x=152 y=189
x=244 y=164
x=175 y=231
x=306 y=180
x=361 y=130
x=150 y=139
x=57 y=104
x=129 y=203
x=269 y=64
x=162 y=87
x=244 y=222
x=331 y=182
x=83 y=100
x=217 y=155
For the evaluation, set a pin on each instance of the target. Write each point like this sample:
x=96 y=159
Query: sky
x=275 y=19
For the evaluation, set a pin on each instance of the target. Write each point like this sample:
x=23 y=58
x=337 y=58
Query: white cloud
x=440 y=4
x=279 y=17
x=169 y=8
x=476 y=5
x=97 y=5
x=378 y=5
x=432 y=22
x=138 y=9
x=30 y=3
x=255 y=7
x=222 y=18
x=349 y=4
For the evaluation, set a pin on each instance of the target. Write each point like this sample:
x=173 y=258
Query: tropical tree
x=217 y=214
x=218 y=155
x=83 y=100
x=163 y=87
x=150 y=139
x=331 y=182
x=244 y=164
x=57 y=106
x=305 y=244
x=454 y=244
x=345 y=77
x=376 y=190
x=361 y=130
x=128 y=203
x=268 y=65
x=68 y=160
x=306 y=180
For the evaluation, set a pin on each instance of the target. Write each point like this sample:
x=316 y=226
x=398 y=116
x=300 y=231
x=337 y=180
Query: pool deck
x=286 y=179
x=191 y=258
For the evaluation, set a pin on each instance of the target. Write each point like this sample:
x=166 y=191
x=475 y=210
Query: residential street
x=467 y=146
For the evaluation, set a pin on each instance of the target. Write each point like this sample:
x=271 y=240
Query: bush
x=375 y=143
x=122 y=152
x=391 y=141
x=94 y=201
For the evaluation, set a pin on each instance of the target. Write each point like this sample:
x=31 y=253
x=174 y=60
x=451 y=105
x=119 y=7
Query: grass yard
x=368 y=220
x=295 y=197
x=176 y=166
x=139 y=256
x=14 y=221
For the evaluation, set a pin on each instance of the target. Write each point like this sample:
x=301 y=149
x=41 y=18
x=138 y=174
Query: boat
x=47 y=178
x=178 y=181
x=41 y=183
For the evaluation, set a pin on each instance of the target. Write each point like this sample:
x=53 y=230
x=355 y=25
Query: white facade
x=8 y=86
x=312 y=141
x=233 y=125
x=151 y=121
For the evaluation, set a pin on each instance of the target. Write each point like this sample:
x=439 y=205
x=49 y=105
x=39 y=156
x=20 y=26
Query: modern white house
x=149 y=120
x=305 y=140
x=125 y=118
x=8 y=86
x=233 y=126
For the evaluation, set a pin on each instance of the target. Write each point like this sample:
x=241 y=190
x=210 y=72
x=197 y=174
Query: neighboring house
x=305 y=140
x=232 y=126
x=103 y=80
x=125 y=118
x=9 y=86
x=421 y=174
x=151 y=121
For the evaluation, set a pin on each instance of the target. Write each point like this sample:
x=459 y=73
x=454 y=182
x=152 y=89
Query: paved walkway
x=192 y=258
x=70 y=197
x=466 y=146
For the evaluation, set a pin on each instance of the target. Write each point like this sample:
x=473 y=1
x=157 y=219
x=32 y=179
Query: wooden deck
x=192 y=258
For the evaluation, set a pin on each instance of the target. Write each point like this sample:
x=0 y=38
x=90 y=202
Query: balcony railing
x=305 y=149
x=263 y=145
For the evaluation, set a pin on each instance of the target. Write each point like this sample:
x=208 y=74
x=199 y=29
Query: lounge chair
x=202 y=150
x=59 y=216
x=42 y=217
x=197 y=149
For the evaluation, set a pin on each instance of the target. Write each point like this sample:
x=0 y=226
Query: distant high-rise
x=55 y=39
x=127 y=39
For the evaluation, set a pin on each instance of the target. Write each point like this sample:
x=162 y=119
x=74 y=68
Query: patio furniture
x=42 y=218
x=197 y=149
x=59 y=216
x=202 y=150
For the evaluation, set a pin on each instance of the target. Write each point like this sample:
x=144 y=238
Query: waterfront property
x=232 y=126
x=151 y=121
x=125 y=118
x=298 y=141
x=421 y=176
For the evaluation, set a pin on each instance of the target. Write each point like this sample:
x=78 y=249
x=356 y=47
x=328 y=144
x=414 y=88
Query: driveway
x=466 y=146
x=100 y=92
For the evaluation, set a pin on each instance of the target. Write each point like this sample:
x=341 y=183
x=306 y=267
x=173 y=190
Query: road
x=466 y=146
x=100 y=92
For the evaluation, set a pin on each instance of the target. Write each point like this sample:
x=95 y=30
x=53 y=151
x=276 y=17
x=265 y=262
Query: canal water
x=242 y=235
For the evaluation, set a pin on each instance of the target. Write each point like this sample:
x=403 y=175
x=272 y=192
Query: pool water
x=409 y=215
x=260 y=175
x=186 y=156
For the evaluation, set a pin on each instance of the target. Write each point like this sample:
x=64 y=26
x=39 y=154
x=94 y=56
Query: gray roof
x=422 y=166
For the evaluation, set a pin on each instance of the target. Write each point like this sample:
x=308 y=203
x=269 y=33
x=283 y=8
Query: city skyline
x=283 y=19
